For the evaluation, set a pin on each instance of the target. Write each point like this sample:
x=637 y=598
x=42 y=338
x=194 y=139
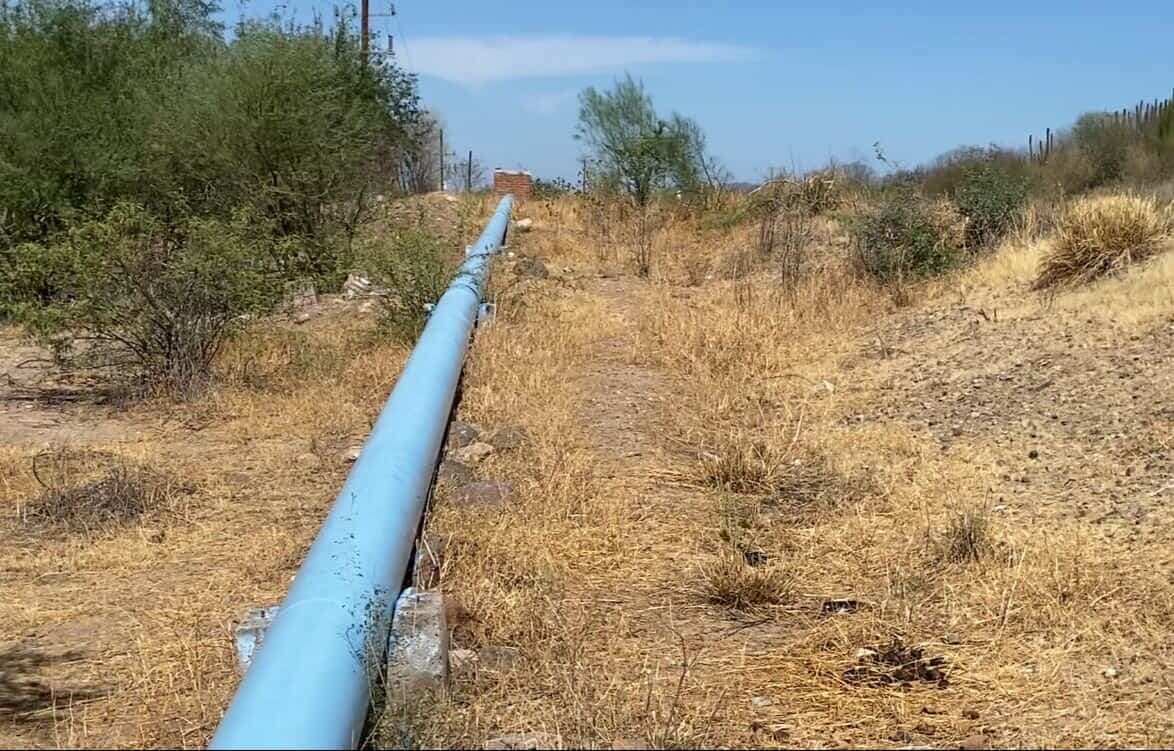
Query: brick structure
x=517 y=182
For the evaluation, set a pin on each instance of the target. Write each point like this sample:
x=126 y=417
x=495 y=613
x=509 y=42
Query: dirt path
x=38 y=408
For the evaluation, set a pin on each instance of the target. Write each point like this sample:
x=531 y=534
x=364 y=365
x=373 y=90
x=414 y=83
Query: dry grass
x=1103 y=235
x=120 y=496
x=692 y=413
x=731 y=581
x=680 y=614
x=966 y=537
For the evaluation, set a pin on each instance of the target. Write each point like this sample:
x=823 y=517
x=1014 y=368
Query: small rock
x=352 y=453
x=532 y=267
x=524 y=225
x=453 y=473
x=841 y=605
x=521 y=743
x=957 y=431
x=508 y=438
x=482 y=493
x=303 y=297
x=461 y=434
x=952 y=639
x=761 y=702
x=300 y=318
x=499 y=659
x=455 y=614
x=970 y=713
x=1033 y=454
x=924 y=728
x=356 y=284
x=629 y=744
x=462 y=662
x=976 y=742
x=474 y=453
x=755 y=557
x=1110 y=673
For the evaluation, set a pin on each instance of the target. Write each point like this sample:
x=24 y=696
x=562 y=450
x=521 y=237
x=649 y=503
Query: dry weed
x=99 y=500
x=967 y=537
x=1102 y=235
x=729 y=581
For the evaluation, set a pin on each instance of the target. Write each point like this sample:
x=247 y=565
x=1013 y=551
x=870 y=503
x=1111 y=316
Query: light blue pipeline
x=309 y=684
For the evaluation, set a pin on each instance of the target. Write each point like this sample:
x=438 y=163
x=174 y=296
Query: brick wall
x=512 y=181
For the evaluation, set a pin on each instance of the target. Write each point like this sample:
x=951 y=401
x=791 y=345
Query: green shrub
x=988 y=185
x=152 y=300
x=990 y=197
x=413 y=268
x=906 y=235
x=150 y=104
x=1106 y=143
x=553 y=188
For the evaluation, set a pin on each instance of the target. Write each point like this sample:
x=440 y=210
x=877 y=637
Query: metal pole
x=442 y=158
x=469 y=174
x=364 y=26
x=309 y=685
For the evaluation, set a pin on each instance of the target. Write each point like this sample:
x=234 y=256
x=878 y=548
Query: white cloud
x=548 y=103
x=478 y=60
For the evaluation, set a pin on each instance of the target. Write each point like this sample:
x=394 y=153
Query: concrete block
x=250 y=632
x=417 y=653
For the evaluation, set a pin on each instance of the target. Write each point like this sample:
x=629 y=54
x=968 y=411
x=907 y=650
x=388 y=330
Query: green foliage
x=554 y=188
x=285 y=125
x=413 y=268
x=1106 y=143
x=158 y=181
x=149 y=104
x=906 y=235
x=990 y=196
x=636 y=147
x=150 y=298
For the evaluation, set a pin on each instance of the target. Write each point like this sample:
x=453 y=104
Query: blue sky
x=774 y=83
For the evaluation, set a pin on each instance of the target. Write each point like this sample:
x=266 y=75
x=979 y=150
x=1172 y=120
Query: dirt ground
x=809 y=451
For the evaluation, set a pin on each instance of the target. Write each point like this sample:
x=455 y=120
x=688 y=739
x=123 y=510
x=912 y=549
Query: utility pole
x=442 y=159
x=364 y=28
x=469 y=173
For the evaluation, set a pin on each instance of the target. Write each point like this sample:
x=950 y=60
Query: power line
x=403 y=40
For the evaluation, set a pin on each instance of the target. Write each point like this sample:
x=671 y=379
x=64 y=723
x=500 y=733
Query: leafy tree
x=634 y=145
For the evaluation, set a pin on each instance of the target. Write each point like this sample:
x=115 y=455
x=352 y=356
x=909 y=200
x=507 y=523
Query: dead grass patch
x=1102 y=235
x=108 y=493
x=729 y=581
x=967 y=537
x=25 y=693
